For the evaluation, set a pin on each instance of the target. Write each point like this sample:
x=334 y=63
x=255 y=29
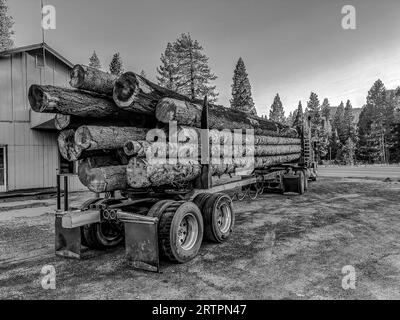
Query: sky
x=290 y=47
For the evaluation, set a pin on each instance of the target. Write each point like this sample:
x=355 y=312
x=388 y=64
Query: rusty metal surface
x=141 y=241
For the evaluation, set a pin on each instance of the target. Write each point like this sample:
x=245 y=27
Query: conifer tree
x=6 y=23
x=116 y=66
x=338 y=123
x=348 y=119
x=314 y=111
x=193 y=75
x=168 y=70
x=242 y=99
x=94 y=61
x=276 y=112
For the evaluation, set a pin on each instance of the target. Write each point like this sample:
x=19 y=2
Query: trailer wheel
x=305 y=178
x=157 y=209
x=300 y=182
x=180 y=231
x=219 y=218
x=104 y=235
x=201 y=199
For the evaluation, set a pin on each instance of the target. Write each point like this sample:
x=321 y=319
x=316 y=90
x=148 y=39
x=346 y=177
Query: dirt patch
x=283 y=247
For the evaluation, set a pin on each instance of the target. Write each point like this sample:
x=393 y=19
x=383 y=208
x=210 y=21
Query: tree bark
x=135 y=93
x=52 y=99
x=92 y=79
x=97 y=137
x=63 y=121
x=189 y=114
x=70 y=151
x=99 y=178
x=145 y=149
x=142 y=173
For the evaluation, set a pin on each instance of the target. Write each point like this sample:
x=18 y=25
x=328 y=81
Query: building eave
x=37 y=47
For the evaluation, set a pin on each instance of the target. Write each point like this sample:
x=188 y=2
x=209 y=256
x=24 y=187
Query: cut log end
x=130 y=148
x=83 y=137
x=77 y=76
x=166 y=109
x=137 y=174
x=37 y=98
x=125 y=89
x=66 y=144
x=62 y=121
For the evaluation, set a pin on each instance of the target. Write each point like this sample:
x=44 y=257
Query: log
x=142 y=173
x=72 y=152
x=102 y=179
x=189 y=114
x=63 y=121
x=92 y=79
x=145 y=149
x=98 y=137
x=135 y=93
x=51 y=99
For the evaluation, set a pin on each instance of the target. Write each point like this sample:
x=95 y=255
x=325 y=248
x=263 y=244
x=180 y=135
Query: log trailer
x=171 y=222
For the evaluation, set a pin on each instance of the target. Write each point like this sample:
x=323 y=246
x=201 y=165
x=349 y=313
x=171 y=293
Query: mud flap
x=68 y=241
x=141 y=241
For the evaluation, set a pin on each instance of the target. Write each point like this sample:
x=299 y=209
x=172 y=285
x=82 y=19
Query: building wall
x=32 y=155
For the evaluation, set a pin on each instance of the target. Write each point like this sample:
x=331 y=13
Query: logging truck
x=111 y=125
x=172 y=221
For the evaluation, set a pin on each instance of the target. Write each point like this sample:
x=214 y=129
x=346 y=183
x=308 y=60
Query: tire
x=158 y=208
x=201 y=199
x=300 y=182
x=180 y=232
x=103 y=235
x=305 y=178
x=219 y=218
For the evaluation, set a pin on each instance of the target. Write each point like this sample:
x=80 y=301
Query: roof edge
x=35 y=47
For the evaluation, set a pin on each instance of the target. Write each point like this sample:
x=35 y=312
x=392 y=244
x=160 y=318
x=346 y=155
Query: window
x=3 y=169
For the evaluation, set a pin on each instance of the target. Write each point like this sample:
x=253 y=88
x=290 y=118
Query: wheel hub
x=188 y=232
x=224 y=218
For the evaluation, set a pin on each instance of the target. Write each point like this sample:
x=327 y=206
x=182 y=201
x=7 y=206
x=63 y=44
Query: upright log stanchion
x=58 y=193
x=205 y=179
x=65 y=193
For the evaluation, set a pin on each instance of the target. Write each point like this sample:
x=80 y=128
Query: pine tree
x=193 y=72
x=116 y=66
x=334 y=146
x=338 y=123
x=6 y=23
x=326 y=117
x=313 y=110
x=94 y=61
x=348 y=118
x=168 y=70
x=290 y=119
x=299 y=119
x=347 y=152
x=374 y=124
x=242 y=99
x=276 y=112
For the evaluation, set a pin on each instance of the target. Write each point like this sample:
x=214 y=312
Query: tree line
x=184 y=68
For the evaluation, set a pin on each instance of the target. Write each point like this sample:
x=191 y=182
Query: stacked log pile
x=106 y=125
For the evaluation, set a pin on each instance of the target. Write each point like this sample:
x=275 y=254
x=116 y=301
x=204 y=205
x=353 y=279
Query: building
x=29 y=156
